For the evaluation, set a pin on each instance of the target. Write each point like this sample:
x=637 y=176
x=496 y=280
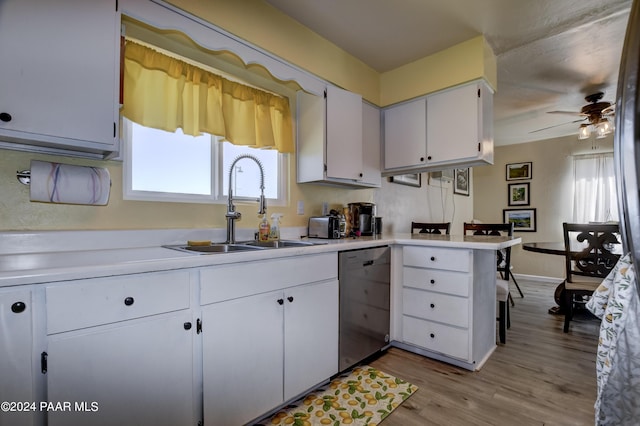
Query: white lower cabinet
x=242 y=352
x=134 y=373
x=448 y=303
x=16 y=347
x=262 y=350
x=120 y=351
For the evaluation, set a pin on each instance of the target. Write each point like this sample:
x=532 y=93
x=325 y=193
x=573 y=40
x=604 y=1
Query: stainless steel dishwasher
x=364 y=277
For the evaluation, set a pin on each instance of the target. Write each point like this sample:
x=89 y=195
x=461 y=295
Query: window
x=594 y=191
x=173 y=167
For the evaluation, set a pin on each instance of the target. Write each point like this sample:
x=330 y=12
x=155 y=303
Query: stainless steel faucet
x=232 y=215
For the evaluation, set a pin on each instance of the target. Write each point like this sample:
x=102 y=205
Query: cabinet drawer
x=456 y=283
x=447 y=340
x=97 y=301
x=437 y=258
x=438 y=307
x=238 y=280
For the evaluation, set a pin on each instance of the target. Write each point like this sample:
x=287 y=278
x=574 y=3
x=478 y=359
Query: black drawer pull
x=432 y=335
x=432 y=305
x=280 y=301
x=433 y=258
x=5 y=116
x=187 y=326
x=290 y=299
x=128 y=301
x=18 y=307
x=432 y=281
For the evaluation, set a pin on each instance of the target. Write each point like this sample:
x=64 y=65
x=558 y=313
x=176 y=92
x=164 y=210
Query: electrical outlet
x=300 y=207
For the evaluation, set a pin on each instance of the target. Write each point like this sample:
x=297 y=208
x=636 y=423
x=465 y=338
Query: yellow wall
x=266 y=27
x=463 y=62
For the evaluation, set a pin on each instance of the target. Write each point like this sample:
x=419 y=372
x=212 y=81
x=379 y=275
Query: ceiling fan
x=596 y=113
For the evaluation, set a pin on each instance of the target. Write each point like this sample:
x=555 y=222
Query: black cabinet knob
x=429 y=158
x=280 y=301
x=421 y=159
x=128 y=301
x=432 y=281
x=433 y=258
x=432 y=335
x=290 y=299
x=361 y=175
x=5 y=116
x=18 y=307
x=187 y=326
x=432 y=306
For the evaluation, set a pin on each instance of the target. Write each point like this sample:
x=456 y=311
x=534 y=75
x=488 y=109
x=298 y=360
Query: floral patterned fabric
x=616 y=302
x=365 y=396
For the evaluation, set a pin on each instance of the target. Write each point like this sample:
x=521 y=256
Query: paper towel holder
x=24 y=177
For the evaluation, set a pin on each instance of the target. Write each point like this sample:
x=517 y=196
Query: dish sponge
x=199 y=243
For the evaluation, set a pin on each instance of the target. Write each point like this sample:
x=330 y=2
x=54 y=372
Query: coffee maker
x=362 y=217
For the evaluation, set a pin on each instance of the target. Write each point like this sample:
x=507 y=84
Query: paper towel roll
x=69 y=184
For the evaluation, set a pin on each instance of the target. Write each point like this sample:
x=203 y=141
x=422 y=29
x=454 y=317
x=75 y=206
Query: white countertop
x=24 y=268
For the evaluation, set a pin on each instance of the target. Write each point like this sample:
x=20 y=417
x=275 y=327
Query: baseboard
x=540 y=278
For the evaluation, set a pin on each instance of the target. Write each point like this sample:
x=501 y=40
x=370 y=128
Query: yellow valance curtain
x=165 y=93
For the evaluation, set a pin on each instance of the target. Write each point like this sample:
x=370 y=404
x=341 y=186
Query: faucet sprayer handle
x=263 y=204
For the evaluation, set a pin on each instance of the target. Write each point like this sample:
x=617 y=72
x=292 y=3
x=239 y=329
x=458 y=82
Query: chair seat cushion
x=502 y=290
x=582 y=285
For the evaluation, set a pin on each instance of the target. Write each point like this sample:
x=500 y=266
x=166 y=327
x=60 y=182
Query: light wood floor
x=541 y=376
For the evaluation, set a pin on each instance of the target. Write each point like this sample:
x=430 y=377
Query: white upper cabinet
x=447 y=129
x=338 y=139
x=405 y=130
x=60 y=75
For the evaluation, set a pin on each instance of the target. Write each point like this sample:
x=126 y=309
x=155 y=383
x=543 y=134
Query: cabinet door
x=453 y=124
x=16 y=337
x=137 y=372
x=371 y=140
x=405 y=133
x=58 y=68
x=242 y=343
x=344 y=134
x=311 y=336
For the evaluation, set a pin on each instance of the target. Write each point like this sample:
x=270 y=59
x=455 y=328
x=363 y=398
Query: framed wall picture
x=461 y=182
x=519 y=171
x=523 y=219
x=519 y=194
x=414 y=179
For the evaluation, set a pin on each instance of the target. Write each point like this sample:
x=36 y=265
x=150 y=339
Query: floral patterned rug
x=364 y=396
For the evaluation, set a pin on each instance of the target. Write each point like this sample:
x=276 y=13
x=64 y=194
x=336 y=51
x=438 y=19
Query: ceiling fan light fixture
x=585 y=131
x=603 y=128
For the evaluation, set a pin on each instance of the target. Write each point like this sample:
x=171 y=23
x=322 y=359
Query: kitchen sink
x=214 y=248
x=279 y=244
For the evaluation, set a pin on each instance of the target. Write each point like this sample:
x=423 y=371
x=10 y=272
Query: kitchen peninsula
x=149 y=316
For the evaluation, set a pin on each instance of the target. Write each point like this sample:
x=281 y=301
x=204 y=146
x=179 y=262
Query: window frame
x=217 y=178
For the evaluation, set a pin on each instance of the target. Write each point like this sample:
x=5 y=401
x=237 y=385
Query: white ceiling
x=551 y=53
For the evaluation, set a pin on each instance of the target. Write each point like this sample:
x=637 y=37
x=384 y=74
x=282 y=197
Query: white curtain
x=594 y=190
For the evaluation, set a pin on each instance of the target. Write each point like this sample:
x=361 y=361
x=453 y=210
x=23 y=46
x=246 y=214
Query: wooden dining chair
x=431 y=228
x=503 y=268
x=588 y=260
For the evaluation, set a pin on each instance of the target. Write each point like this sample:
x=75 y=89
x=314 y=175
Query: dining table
x=555 y=248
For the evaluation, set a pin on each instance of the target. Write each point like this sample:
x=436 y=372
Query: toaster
x=324 y=227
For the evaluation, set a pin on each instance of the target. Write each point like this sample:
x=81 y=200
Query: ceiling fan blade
x=565 y=112
x=557 y=125
x=609 y=110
